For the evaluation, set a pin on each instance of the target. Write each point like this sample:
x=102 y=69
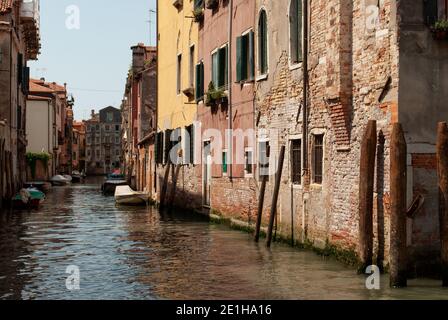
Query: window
x=219 y=68
x=296 y=161
x=179 y=73
x=295 y=30
x=117 y=128
x=98 y=153
x=117 y=140
x=167 y=146
x=88 y=153
x=107 y=128
x=110 y=117
x=264 y=154
x=189 y=155
x=263 y=43
x=430 y=12
x=318 y=157
x=248 y=168
x=191 y=73
x=245 y=57
x=215 y=66
x=199 y=81
x=74 y=155
x=159 y=148
x=19 y=118
x=224 y=162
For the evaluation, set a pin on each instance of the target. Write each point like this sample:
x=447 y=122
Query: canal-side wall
x=349 y=63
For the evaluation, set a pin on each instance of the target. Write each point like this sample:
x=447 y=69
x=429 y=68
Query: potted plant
x=212 y=4
x=214 y=96
x=198 y=14
x=440 y=30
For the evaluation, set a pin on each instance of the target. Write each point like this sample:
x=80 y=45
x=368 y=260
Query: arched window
x=263 y=43
x=295 y=30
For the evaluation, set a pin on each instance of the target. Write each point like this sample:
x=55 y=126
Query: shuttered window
x=224 y=162
x=167 y=146
x=262 y=43
x=318 y=158
x=189 y=145
x=215 y=69
x=430 y=10
x=296 y=30
x=179 y=74
x=199 y=81
x=245 y=57
x=263 y=158
x=296 y=161
x=222 y=67
x=159 y=148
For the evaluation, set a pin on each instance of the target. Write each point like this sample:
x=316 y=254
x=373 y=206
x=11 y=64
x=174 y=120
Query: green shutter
x=262 y=43
x=251 y=60
x=226 y=69
x=239 y=59
x=222 y=62
x=299 y=30
x=202 y=80
x=244 y=57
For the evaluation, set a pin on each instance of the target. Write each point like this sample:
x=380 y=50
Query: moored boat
x=59 y=180
x=77 y=177
x=112 y=182
x=40 y=185
x=30 y=198
x=124 y=195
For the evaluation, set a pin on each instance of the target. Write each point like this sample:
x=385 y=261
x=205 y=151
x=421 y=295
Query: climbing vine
x=32 y=159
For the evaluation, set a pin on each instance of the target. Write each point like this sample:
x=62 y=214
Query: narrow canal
x=139 y=253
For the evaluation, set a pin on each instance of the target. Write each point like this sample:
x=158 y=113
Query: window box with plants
x=215 y=96
x=198 y=12
x=212 y=4
x=440 y=30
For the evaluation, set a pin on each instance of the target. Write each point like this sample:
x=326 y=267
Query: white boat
x=124 y=195
x=59 y=180
x=69 y=178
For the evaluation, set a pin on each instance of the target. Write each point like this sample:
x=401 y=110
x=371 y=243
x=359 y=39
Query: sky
x=92 y=56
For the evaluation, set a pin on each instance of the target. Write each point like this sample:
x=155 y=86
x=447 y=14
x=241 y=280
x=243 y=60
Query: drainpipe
x=305 y=88
x=305 y=117
x=230 y=81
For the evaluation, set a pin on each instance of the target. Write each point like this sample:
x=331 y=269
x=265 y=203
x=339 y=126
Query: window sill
x=316 y=187
x=296 y=186
x=295 y=66
x=262 y=77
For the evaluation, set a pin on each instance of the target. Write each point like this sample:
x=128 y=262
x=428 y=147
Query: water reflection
x=138 y=253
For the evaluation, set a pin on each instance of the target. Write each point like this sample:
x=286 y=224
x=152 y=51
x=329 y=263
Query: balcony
x=30 y=20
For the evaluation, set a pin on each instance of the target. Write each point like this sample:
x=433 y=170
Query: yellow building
x=177 y=56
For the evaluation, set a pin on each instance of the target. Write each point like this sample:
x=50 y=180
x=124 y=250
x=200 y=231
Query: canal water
x=139 y=253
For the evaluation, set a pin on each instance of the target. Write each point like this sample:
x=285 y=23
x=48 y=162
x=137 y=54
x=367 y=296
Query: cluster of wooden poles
x=6 y=176
x=399 y=212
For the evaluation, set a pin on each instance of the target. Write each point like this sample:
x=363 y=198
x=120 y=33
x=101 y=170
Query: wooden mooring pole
x=366 y=184
x=398 y=188
x=278 y=180
x=260 y=207
x=2 y=171
x=442 y=168
x=165 y=185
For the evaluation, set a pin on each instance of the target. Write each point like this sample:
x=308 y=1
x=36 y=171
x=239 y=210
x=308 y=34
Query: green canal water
x=140 y=253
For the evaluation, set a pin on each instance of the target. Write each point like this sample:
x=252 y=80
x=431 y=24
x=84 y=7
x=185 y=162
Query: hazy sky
x=94 y=59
